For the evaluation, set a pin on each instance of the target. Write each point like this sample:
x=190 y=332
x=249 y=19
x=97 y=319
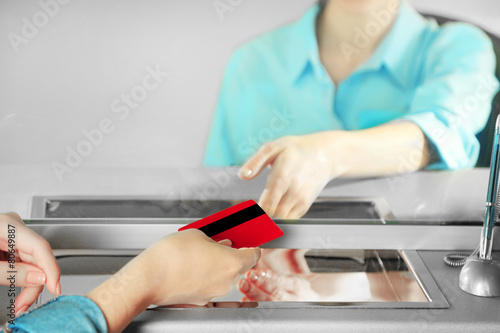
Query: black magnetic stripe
x=232 y=220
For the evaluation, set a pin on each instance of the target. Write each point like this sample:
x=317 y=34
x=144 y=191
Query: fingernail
x=58 y=288
x=245 y=172
x=226 y=242
x=243 y=286
x=35 y=278
x=253 y=276
x=22 y=309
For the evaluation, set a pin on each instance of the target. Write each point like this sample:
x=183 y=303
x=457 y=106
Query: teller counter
x=387 y=278
x=385 y=259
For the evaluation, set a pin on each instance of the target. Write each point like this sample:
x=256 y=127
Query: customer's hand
x=34 y=264
x=301 y=166
x=182 y=268
x=194 y=268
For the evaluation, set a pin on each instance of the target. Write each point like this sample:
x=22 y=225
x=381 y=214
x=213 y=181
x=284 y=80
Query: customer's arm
x=183 y=268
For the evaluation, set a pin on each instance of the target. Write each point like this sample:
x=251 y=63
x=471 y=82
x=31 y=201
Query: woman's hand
x=301 y=166
x=195 y=268
x=182 y=268
x=34 y=264
x=284 y=275
x=269 y=286
x=280 y=275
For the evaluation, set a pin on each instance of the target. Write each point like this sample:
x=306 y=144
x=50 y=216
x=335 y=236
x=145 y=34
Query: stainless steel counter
x=464 y=313
x=422 y=203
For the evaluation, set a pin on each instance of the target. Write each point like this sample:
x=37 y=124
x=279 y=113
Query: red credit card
x=244 y=224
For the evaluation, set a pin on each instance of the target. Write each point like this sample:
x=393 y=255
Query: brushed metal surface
x=379 y=279
x=310 y=234
x=159 y=207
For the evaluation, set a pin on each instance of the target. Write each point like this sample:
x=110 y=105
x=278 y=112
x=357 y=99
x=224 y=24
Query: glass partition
x=106 y=110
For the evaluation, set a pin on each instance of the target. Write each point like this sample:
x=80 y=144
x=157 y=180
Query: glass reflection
x=352 y=89
x=59 y=86
x=322 y=276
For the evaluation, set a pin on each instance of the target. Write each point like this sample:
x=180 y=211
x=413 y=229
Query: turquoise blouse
x=440 y=77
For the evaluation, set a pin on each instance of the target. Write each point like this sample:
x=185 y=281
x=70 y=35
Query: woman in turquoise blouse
x=352 y=89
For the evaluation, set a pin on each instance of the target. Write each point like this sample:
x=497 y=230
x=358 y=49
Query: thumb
x=249 y=257
x=27 y=297
x=226 y=242
x=21 y=275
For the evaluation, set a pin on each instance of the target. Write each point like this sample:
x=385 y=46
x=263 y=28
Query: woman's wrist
x=124 y=295
x=338 y=151
x=384 y=150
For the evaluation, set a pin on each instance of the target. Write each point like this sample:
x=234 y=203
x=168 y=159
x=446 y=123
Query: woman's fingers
x=277 y=185
x=289 y=194
x=249 y=257
x=33 y=248
x=32 y=244
x=14 y=216
x=21 y=275
x=252 y=292
x=226 y=242
x=5 y=252
x=303 y=201
x=263 y=157
x=266 y=285
x=287 y=203
x=27 y=297
x=298 y=211
x=300 y=168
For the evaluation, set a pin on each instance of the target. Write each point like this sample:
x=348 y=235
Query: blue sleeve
x=65 y=314
x=454 y=102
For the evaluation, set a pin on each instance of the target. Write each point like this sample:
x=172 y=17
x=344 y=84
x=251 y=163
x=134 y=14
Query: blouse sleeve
x=65 y=314
x=454 y=101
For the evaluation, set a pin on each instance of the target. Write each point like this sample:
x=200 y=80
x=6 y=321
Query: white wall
x=484 y=13
x=66 y=74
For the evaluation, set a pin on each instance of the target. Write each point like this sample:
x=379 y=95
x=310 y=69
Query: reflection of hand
x=278 y=276
x=284 y=261
x=284 y=275
x=182 y=268
x=300 y=168
x=267 y=285
x=34 y=262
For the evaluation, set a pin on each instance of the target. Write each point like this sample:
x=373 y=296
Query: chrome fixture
x=480 y=275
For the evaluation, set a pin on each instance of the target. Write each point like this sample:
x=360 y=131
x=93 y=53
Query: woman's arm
x=302 y=165
x=393 y=148
x=183 y=268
